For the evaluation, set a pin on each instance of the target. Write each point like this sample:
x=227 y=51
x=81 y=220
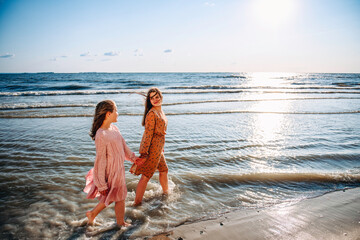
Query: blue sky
x=180 y=36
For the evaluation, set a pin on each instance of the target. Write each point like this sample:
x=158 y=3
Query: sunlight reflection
x=270 y=79
x=267 y=133
x=287 y=219
x=269 y=126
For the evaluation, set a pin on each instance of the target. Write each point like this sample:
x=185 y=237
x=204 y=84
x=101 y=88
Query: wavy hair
x=148 y=104
x=100 y=113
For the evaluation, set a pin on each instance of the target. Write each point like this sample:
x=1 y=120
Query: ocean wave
x=40 y=106
x=208 y=87
x=47 y=116
x=18 y=114
x=73 y=92
x=61 y=115
x=23 y=106
x=256 y=100
x=270 y=177
x=346 y=84
x=260 y=112
x=186 y=91
x=139 y=84
x=347 y=76
x=232 y=76
x=272 y=90
x=341 y=87
x=67 y=87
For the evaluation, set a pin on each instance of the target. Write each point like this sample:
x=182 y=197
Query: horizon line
x=183 y=72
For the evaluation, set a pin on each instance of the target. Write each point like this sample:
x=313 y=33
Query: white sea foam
x=319 y=90
x=180 y=113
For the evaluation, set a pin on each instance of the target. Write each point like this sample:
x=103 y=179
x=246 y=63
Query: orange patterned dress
x=152 y=145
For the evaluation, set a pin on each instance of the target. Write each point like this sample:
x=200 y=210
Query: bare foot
x=135 y=204
x=124 y=224
x=90 y=217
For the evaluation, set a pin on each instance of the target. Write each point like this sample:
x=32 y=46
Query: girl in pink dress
x=106 y=180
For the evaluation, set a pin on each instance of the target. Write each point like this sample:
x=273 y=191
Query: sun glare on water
x=273 y=13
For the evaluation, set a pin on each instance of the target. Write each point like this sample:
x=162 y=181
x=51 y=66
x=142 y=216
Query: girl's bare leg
x=140 y=190
x=120 y=214
x=92 y=214
x=163 y=178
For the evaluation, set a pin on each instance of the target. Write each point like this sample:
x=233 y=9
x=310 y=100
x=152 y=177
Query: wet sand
x=334 y=215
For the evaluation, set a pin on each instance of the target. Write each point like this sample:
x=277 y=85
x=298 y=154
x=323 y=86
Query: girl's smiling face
x=155 y=99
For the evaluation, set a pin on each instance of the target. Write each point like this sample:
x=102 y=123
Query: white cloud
x=168 y=51
x=112 y=54
x=210 y=4
x=7 y=55
x=138 y=52
x=85 y=54
x=56 y=58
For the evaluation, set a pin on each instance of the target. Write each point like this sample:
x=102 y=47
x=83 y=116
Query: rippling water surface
x=235 y=141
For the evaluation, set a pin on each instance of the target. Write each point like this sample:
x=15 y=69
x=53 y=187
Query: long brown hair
x=148 y=104
x=100 y=113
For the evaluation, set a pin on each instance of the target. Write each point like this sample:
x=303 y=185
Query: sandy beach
x=334 y=215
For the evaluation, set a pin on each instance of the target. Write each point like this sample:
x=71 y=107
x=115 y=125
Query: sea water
x=234 y=141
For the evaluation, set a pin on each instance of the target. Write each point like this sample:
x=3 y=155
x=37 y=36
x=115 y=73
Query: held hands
x=139 y=161
x=104 y=192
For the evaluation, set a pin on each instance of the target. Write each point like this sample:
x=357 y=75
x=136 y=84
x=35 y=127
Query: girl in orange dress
x=106 y=180
x=152 y=145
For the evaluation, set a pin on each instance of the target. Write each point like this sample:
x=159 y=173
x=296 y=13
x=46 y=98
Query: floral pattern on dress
x=152 y=145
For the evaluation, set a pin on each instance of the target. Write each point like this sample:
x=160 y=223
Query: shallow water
x=234 y=141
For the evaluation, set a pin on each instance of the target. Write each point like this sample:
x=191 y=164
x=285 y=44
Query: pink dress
x=108 y=171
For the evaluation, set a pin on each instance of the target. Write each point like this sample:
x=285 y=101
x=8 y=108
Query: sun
x=274 y=13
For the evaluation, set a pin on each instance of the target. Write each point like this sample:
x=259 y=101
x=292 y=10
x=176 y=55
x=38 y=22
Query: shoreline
x=334 y=215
